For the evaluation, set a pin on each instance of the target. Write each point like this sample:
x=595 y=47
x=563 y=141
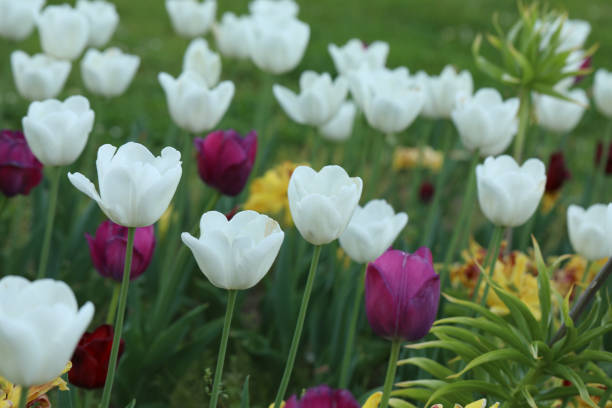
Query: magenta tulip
x=20 y=170
x=323 y=397
x=402 y=292
x=107 y=249
x=225 y=159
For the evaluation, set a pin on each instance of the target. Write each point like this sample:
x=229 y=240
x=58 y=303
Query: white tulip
x=201 y=60
x=485 y=122
x=558 y=115
x=40 y=326
x=56 y=131
x=39 y=77
x=573 y=34
x=232 y=35
x=17 y=18
x=322 y=203
x=103 y=20
x=590 y=230
x=355 y=55
x=602 y=92
x=190 y=18
x=63 y=31
x=135 y=186
x=371 y=231
x=278 y=46
x=319 y=100
x=340 y=127
x=108 y=73
x=441 y=91
x=235 y=254
x=193 y=106
x=280 y=9
x=509 y=194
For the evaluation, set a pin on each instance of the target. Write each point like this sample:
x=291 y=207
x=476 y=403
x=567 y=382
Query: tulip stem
x=44 y=253
x=350 y=340
x=297 y=334
x=491 y=260
x=110 y=317
x=23 y=397
x=125 y=283
x=231 y=301
x=524 y=112
x=390 y=378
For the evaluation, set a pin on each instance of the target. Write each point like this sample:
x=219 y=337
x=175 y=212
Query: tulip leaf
x=132 y=404
x=466 y=352
x=568 y=374
x=398 y=403
x=529 y=398
x=587 y=356
x=523 y=62
x=431 y=366
x=466 y=336
x=244 y=400
x=478 y=308
x=483 y=387
x=427 y=383
x=543 y=289
x=494 y=356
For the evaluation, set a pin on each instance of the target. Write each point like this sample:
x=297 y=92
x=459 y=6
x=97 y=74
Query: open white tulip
x=39 y=77
x=590 y=230
x=201 y=60
x=322 y=203
x=40 y=326
x=103 y=20
x=509 y=194
x=319 y=100
x=190 y=18
x=355 y=55
x=558 y=115
x=17 y=18
x=193 y=106
x=232 y=35
x=135 y=186
x=108 y=73
x=441 y=91
x=340 y=127
x=57 y=131
x=279 y=9
x=235 y=254
x=602 y=92
x=371 y=231
x=485 y=122
x=63 y=31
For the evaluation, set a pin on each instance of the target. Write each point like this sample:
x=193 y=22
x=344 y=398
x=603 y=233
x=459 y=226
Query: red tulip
x=323 y=397
x=20 y=170
x=557 y=172
x=107 y=250
x=426 y=191
x=91 y=356
x=598 y=154
x=225 y=160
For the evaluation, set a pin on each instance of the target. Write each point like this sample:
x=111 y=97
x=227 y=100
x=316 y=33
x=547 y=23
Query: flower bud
x=557 y=172
x=20 y=170
x=63 y=31
x=39 y=77
x=108 y=73
x=103 y=19
x=590 y=230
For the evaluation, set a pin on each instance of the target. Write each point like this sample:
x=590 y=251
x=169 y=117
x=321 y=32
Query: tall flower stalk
x=46 y=246
x=231 y=301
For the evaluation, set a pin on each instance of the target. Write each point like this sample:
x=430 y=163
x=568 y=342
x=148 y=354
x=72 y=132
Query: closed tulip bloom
x=17 y=18
x=103 y=20
x=508 y=193
x=485 y=122
x=319 y=99
x=91 y=357
x=340 y=126
x=201 y=60
x=371 y=231
x=63 y=31
x=402 y=292
x=135 y=186
x=235 y=254
x=281 y=9
x=355 y=55
x=57 y=131
x=225 y=160
x=602 y=92
x=38 y=77
x=558 y=115
x=193 y=105
x=108 y=73
x=322 y=203
x=107 y=250
x=590 y=230
x=191 y=18
x=323 y=397
x=278 y=46
x=441 y=91
x=40 y=326
x=231 y=35
x=557 y=172
x=20 y=170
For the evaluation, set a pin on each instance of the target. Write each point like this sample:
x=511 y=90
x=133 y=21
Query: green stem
x=390 y=377
x=125 y=283
x=491 y=260
x=297 y=334
x=378 y=150
x=419 y=171
x=23 y=397
x=231 y=301
x=350 y=340
x=44 y=253
x=526 y=232
x=110 y=317
x=524 y=112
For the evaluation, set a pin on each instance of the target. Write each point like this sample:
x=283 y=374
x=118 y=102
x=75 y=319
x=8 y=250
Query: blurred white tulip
x=63 y=31
x=602 y=91
x=590 y=230
x=558 y=115
x=278 y=46
x=103 y=19
x=18 y=17
x=108 y=73
x=232 y=35
x=355 y=55
x=340 y=127
x=39 y=77
x=441 y=91
x=190 y=18
x=201 y=60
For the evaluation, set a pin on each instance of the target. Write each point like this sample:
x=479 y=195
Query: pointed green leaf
x=568 y=374
x=432 y=367
x=494 y=356
x=543 y=290
x=469 y=386
x=244 y=400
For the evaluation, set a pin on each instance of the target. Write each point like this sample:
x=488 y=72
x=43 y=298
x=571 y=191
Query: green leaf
x=568 y=374
x=494 y=356
x=543 y=290
x=589 y=355
x=398 y=403
x=132 y=403
x=432 y=367
x=244 y=400
x=427 y=383
x=464 y=351
x=469 y=386
x=467 y=336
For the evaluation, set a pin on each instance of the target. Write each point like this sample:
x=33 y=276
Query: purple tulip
x=20 y=170
x=402 y=292
x=323 y=397
x=225 y=159
x=107 y=249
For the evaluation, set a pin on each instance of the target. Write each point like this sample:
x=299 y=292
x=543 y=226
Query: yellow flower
x=373 y=400
x=410 y=157
x=572 y=272
x=10 y=393
x=476 y=404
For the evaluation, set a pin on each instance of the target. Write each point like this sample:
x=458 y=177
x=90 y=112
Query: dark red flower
x=107 y=249
x=20 y=170
x=557 y=172
x=323 y=397
x=426 y=191
x=225 y=159
x=91 y=356
x=598 y=153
